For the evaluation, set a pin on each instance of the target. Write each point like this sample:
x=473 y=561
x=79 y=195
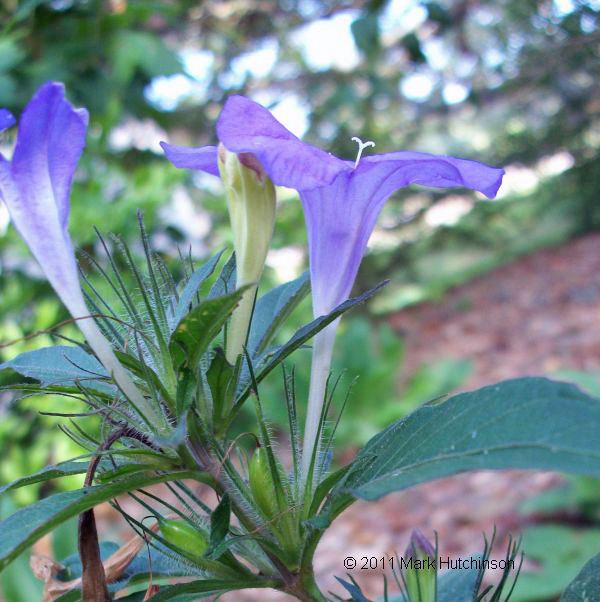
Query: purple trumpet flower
x=341 y=201
x=36 y=185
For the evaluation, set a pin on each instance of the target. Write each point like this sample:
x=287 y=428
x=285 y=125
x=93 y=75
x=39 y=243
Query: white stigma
x=361 y=147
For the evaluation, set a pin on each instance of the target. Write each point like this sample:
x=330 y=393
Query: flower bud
x=251 y=202
x=191 y=539
x=261 y=482
x=420 y=571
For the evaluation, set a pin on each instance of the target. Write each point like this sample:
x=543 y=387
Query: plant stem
x=300 y=584
x=305 y=588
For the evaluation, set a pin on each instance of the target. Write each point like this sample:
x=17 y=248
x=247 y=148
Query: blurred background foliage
x=510 y=82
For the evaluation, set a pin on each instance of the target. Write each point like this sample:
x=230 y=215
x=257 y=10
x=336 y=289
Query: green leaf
x=222 y=378
x=61 y=365
x=193 y=284
x=196 y=330
x=225 y=283
x=150 y=565
x=28 y=524
x=53 y=471
x=274 y=356
x=523 y=423
x=586 y=586
x=272 y=309
x=189 y=592
x=219 y=526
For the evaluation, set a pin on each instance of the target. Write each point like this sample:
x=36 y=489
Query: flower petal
x=49 y=144
x=340 y=217
x=390 y=171
x=244 y=126
x=6 y=120
x=202 y=159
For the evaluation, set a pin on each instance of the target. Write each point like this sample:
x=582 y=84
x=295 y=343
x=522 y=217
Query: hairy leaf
x=586 y=586
x=61 y=365
x=274 y=356
x=196 y=330
x=193 y=284
x=53 y=471
x=28 y=524
x=190 y=592
x=272 y=309
x=523 y=423
x=219 y=526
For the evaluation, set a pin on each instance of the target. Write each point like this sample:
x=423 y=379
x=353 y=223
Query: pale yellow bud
x=251 y=201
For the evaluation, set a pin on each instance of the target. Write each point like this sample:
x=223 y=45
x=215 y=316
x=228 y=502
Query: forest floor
x=535 y=316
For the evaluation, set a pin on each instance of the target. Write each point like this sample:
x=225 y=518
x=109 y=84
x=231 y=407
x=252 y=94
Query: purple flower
x=419 y=570
x=419 y=547
x=36 y=185
x=341 y=200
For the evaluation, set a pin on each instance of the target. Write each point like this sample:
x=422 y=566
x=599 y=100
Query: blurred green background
x=509 y=82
